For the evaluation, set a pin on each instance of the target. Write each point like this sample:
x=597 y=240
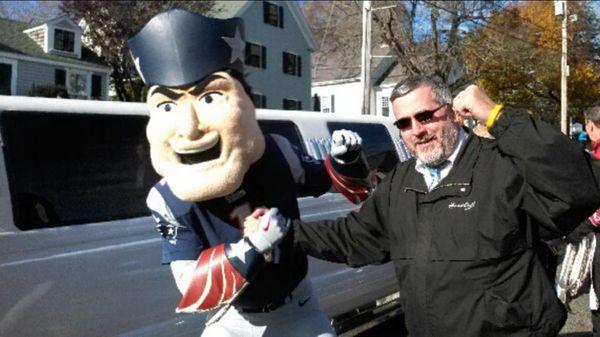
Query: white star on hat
x=237 y=46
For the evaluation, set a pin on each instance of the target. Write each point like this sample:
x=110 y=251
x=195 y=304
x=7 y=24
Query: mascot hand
x=272 y=227
x=345 y=146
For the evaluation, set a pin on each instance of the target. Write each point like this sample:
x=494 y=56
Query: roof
x=14 y=40
x=228 y=9
x=332 y=70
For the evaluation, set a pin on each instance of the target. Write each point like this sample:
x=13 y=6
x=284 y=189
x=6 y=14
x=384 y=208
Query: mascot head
x=202 y=131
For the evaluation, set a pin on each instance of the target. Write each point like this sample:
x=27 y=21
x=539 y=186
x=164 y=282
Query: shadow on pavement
x=576 y=334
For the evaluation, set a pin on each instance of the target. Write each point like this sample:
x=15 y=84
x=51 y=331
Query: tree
x=424 y=36
x=108 y=26
x=516 y=56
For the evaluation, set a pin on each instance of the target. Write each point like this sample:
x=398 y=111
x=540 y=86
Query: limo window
x=284 y=128
x=66 y=169
x=377 y=144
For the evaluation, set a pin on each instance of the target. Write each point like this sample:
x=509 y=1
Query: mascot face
x=203 y=138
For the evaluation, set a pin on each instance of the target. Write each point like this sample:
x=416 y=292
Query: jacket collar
x=459 y=177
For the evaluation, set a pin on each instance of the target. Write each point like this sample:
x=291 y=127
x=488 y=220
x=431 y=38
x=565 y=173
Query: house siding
x=271 y=81
x=30 y=73
x=37 y=36
x=38 y=74
x=347 y=97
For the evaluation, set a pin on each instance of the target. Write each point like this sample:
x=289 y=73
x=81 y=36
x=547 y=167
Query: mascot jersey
x=275 y=180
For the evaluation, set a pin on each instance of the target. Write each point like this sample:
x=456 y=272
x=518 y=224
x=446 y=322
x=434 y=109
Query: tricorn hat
x=177 y=48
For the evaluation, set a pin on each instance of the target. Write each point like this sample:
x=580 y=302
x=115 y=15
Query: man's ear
x=589 y=127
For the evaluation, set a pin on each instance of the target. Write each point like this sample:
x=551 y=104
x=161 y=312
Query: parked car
x=79 y=255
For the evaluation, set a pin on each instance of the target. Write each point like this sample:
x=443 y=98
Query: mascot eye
x=166 y=106
x=210 y=97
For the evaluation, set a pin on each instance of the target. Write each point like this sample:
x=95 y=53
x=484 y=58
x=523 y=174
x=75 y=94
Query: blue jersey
x=275 y=180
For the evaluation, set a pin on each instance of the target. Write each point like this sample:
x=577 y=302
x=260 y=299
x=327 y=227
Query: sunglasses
x=423 y=117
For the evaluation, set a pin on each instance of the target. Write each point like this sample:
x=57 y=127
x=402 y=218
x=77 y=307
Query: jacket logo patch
x=466 y=206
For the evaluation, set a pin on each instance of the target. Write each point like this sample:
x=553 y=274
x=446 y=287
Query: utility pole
x=560 y=9
x=365 y=69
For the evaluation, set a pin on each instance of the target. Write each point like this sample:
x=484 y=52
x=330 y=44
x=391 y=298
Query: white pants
x=300 y=317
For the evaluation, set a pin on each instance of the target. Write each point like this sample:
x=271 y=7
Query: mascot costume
x=217 y=168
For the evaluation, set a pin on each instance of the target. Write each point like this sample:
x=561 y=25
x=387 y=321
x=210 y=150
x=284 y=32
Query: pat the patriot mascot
x=217 y=168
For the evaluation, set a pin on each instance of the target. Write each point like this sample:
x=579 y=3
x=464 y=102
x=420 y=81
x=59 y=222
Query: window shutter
x=265 y=12
x=60 y=77
x=280 y=17
x=71 y=45
x=264 y=102
x=299 y=66
x=264 y=57
x=332 y=103
x=247 y=53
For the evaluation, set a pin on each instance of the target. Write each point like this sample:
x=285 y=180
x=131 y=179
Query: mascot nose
x=188 y=124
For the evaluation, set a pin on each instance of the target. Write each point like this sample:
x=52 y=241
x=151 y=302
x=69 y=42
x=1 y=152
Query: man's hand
x=272 y=227
x=473 y=102
x=345 y=146
x=251 y=222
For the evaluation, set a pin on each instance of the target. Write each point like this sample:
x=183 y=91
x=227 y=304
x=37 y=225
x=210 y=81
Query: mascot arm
x=347 y=166
x=221 y=273
x=218 y=276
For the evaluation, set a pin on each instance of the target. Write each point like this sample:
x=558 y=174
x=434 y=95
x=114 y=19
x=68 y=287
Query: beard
x=441 y=147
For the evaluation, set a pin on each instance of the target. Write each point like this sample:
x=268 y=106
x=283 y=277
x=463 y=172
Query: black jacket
x=467 y=254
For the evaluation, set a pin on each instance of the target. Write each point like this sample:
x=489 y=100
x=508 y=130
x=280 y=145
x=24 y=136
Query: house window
x=385 y=106
x=292 y=64
x=60 y=77
x=256 y=55
x=64 y=40
x=272 y=14
x=5 y=78
x=291 y=104
x=260 y=101
x=77 y=85
x=96 y=86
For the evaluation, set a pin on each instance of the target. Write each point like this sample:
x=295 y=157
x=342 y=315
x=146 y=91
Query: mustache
x=422 y=140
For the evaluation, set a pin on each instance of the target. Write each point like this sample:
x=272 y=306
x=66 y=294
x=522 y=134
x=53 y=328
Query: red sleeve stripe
x=215 y=282
x=355 y=190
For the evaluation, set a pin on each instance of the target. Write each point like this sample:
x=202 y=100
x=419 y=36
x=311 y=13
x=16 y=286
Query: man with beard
x=463 y=220
x=217 y=167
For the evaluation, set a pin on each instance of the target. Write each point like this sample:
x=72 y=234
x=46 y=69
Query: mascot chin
x=218 y=168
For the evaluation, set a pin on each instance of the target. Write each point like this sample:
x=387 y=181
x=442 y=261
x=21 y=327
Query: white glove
x=345 y=146
x=271 y=229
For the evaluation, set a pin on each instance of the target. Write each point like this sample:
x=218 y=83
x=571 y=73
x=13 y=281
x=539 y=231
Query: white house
x=49 y=54
x=279 y=44
x=343 y=95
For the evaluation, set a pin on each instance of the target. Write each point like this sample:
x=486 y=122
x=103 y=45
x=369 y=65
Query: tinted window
x=285 y=128
x=377 y=143
x=68 y=169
